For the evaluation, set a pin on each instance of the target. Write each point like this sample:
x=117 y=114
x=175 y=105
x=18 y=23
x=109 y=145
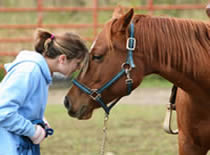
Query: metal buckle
x=128 y=43
x=94 y=95
x=129 y=81
x=127 y=67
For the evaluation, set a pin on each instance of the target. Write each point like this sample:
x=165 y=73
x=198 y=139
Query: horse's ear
x=208 y=9
x=118 y=12
x=122 y=23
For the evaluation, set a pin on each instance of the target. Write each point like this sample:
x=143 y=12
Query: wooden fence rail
x=95 y=25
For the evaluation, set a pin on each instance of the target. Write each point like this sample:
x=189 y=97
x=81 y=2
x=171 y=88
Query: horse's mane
x=177 y=42
x=174 y=42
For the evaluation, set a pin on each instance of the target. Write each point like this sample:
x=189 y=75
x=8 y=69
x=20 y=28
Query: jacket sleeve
x=13 y=92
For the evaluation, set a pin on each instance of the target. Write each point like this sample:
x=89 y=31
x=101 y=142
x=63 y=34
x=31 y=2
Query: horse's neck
x=197 y=86
x=187 y=66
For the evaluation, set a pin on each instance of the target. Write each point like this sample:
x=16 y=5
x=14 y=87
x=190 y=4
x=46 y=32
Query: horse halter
x=95 y=94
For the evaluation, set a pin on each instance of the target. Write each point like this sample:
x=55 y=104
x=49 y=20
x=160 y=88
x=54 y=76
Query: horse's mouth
x=82 y=114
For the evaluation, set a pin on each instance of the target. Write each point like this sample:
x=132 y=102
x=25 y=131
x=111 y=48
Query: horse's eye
x=98 y=57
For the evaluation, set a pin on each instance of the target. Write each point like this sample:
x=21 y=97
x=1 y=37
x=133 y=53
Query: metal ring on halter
x=126 y=67
x=94 y=95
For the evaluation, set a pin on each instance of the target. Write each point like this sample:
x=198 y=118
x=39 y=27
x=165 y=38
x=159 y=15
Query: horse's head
x=106 y=57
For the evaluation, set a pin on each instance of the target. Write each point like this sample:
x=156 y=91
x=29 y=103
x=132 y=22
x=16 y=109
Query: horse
x=131 y=47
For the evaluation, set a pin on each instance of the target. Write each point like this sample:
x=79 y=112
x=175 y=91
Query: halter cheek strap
x=95 y=94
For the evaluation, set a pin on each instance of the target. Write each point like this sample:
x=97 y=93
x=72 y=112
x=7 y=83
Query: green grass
x=132 y=129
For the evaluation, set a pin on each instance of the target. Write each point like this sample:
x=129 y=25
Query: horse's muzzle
x=68 y=106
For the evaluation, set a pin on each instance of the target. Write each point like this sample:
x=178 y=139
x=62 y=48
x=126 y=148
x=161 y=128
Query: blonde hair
x=51 y=45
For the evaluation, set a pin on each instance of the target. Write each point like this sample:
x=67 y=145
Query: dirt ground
x=138 y=96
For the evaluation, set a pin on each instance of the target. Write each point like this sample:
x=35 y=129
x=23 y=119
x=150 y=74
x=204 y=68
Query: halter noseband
x=95 y=94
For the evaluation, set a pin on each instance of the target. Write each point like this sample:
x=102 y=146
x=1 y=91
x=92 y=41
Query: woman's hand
x=39 y=135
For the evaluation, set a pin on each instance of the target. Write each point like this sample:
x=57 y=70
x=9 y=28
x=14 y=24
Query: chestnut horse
x=176 y=49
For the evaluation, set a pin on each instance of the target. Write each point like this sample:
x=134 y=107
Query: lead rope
x=106 y=118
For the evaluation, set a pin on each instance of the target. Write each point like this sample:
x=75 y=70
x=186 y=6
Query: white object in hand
x=46 y=123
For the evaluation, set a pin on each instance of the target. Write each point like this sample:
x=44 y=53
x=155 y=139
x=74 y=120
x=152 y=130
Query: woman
x=24 y=89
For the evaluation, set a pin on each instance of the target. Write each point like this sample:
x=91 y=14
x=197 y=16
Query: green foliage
x=1 y=74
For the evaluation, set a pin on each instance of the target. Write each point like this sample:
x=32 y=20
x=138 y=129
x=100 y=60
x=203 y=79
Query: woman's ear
x=62 y=58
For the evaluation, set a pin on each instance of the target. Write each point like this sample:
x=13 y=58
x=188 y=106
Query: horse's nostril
x=66 y=102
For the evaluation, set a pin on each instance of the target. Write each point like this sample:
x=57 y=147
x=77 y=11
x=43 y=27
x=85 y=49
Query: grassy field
x=132 y=129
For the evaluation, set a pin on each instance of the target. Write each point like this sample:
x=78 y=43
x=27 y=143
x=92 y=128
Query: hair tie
x=52 y=36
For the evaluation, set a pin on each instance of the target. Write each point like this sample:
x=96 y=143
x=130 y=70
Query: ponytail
x=41 y=37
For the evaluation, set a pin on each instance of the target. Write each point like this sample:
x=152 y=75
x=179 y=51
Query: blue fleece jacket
x=23 y=97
